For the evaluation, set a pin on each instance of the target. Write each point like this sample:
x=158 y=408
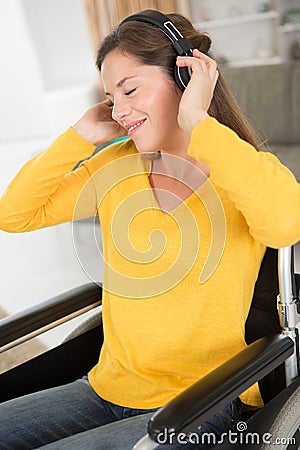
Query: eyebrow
x=121 y=82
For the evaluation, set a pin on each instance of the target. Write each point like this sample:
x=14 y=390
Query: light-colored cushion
x=270 y=97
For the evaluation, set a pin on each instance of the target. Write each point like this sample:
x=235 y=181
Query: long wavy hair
x=151 y=47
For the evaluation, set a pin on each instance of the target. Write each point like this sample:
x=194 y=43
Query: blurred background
x=48 y=79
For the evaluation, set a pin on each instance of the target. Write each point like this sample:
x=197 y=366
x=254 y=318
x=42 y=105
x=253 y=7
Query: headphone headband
x=182 y=45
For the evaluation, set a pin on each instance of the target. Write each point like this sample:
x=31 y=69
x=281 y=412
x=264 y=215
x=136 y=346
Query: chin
x=149 y=152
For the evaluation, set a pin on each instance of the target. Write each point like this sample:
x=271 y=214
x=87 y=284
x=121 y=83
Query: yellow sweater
x=177 y=286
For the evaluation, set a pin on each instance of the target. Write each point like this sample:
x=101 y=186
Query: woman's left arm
x=264 y=190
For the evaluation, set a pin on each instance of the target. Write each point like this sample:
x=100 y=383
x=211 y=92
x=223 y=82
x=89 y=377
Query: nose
x=120 y=109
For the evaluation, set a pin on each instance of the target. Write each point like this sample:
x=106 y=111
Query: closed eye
x=130 y=92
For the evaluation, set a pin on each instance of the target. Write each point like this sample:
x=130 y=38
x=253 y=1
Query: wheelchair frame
x=204 y=398
x=221 y=386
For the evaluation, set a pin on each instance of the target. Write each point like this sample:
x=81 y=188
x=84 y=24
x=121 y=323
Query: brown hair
x=152 y=47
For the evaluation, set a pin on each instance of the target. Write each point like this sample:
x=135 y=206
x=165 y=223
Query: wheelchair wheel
x=92 y=322
x=285 y=425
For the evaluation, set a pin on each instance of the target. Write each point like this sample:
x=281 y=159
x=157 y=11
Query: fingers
x=106 y=102
x=200 y=62
x=211 y=64
x=208 y=60
x=195 y=64
x=197 y=97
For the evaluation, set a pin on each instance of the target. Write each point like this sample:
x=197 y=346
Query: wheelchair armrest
x=297 y=285
x=32 y=321
x=207 y=396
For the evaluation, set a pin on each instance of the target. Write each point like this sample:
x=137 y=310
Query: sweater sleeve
x=265 y=191
x=45 y=190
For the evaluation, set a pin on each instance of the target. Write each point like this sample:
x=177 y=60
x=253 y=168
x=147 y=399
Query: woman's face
x=145 y=102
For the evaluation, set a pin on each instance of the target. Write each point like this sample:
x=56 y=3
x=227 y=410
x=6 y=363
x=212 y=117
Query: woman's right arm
x=46 y=189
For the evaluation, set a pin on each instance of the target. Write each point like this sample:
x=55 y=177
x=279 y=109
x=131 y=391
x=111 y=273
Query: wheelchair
x=272 y=358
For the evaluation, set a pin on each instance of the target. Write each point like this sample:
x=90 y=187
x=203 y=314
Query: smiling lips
x=133 y=126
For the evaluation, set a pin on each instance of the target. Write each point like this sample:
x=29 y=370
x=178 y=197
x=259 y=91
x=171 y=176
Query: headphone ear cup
x=182 y=77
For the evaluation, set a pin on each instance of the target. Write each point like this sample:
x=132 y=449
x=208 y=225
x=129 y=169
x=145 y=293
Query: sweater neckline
x=182 y=203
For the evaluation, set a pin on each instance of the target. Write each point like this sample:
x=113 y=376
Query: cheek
x=164 y=109
x=169 y=113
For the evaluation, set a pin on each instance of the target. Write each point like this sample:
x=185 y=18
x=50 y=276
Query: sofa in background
x=270 y=97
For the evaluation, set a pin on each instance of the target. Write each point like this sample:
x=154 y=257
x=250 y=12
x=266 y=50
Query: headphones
x=182 y=46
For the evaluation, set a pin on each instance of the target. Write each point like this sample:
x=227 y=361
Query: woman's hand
x=97 y=125
x=196 y=98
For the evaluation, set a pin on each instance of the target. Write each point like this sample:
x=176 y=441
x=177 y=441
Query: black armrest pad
x=18 y=325
x=204 y=398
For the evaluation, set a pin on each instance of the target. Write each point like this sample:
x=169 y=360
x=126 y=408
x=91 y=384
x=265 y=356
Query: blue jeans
x=74 y=417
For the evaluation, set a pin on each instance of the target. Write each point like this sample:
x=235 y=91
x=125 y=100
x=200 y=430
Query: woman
x=187 y=207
